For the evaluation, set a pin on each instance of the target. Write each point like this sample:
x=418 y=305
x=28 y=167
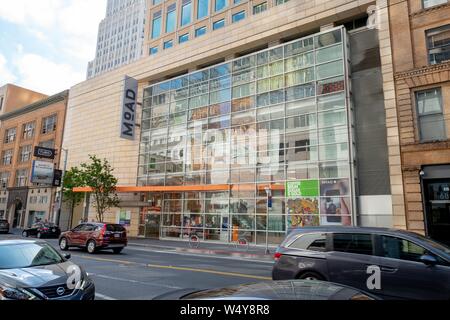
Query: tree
x=72 y=179
x=98 y=176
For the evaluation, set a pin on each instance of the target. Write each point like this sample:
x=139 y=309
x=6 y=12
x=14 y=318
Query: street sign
x=57 y=178
x=46 y=153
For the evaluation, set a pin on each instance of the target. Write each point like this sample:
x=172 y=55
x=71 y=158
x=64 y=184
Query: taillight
x=277 y=256
x=102 y=232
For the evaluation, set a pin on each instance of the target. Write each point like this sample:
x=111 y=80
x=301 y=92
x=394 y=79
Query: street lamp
x=58 y=216
x=269 y=206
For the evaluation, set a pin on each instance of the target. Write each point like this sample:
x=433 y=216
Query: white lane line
x=134 y=281
x=200 y=256
x=104 y=297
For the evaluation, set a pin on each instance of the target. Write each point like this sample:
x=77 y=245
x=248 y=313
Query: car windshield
x=28 y=255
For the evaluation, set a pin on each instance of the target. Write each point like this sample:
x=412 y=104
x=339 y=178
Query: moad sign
x=128 y=124
x=42 y=172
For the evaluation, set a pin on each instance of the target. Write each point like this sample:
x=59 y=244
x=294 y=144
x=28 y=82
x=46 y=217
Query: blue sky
x=45 y=45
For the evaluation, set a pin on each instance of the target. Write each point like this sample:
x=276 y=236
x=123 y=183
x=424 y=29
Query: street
x=144 y=273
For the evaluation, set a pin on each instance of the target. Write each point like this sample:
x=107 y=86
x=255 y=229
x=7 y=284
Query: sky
x=45 y=45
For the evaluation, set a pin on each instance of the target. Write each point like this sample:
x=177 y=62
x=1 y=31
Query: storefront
x=436 y=194
x=214 y=140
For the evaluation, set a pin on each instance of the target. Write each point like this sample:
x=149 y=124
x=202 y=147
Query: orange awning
x=210 y=188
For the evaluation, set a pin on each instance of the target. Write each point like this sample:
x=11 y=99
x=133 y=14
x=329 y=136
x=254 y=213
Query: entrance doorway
x=17 y=214
x=437 y=208
x=150 y=218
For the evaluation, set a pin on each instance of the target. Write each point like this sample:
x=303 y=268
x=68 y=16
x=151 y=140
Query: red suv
x=95 y=237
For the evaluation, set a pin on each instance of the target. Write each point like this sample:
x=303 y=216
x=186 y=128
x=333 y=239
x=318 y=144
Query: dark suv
x=95 y=237
x=410 y=266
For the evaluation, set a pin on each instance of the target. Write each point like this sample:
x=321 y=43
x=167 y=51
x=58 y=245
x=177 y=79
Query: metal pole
x=58 y=217
x=268 y=192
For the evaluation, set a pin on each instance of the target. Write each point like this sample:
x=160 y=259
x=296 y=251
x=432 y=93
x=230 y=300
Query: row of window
x=25 y=153
x=21 y=178
x=29 y=129
x=186 y=16
x=39 y=199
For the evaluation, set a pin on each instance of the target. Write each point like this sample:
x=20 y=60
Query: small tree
x=98 y=176
x=72 y=179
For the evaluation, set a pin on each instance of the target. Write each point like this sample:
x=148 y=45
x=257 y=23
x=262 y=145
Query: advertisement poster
x=335 y=211
x=335 y=188
x=124 y=218
x=42 y=172
x=302 y=188
x=303 y=212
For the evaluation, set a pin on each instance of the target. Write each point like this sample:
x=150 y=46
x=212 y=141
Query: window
x=238 y=16
x=50 y=144
x=21 y=178
x=4 y=179
x=7 y=157
x=183 y=38
x=220 y=4
x=313 y=242
x=186 y=13
x=156 y=26
x=43 y=199
x=200 y=31
x=49 y=124
x=353 y=243
x=33 y=199
x=432 y=3
x=439 y=44
x=25 y=153
x=1 y=103
x=155 y=2
x=28 y=130
x=260 y=8
x=278 y=2
x=430 y=116
x=202 y=8
x=168 y=44
x=171 y=18
x=10 y=135
x=219 y=24
x=397 y=248
x=153 y=50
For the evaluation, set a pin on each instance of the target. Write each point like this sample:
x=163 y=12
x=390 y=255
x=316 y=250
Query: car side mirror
x=429 y=260
x=67 y=256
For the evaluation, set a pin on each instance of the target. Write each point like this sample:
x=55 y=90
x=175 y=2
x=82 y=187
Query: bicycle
x=242 y=243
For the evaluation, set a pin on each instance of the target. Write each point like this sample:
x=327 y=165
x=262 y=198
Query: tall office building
x=120 y=36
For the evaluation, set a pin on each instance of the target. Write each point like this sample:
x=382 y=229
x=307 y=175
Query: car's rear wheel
x=91 y=247
x=312 y=276
x=117 y=250
x=63 y=245
x=25 y=234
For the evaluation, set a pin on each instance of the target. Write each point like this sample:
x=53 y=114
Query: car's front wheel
x=63 y=245
x=25 y=234
x=91 y=247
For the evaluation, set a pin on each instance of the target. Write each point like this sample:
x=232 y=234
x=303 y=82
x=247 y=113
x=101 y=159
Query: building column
x=390 y=102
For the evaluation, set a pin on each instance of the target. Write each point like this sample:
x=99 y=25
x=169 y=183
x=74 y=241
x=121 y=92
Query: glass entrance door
x=437 y=199
x=150 y=217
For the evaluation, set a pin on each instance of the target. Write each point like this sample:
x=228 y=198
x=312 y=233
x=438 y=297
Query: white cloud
x=6 y=76
x=67 y=33
x=43 y=75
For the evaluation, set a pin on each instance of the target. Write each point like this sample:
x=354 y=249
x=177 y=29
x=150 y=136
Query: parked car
x=33 y=270
x=94 y=237
x=4 y=226
x=277 y=290
x=42 y=230
x=411 y=266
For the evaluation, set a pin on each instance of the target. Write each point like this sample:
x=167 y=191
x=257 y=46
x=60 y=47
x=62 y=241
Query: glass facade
x=277 y=119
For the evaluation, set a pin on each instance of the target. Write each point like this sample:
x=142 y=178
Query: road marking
x=135 y=281
x=104 y=297
x=230 y=274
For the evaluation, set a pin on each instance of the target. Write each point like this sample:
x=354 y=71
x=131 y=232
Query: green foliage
x=98 y=175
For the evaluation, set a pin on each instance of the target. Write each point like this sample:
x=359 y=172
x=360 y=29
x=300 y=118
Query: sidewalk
x=206 y=248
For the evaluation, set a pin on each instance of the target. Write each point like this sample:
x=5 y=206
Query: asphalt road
x=145 y=273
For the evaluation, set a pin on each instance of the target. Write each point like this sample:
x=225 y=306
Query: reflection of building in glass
x=274 y=116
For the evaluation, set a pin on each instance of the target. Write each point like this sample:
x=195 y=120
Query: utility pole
x=58 y=216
